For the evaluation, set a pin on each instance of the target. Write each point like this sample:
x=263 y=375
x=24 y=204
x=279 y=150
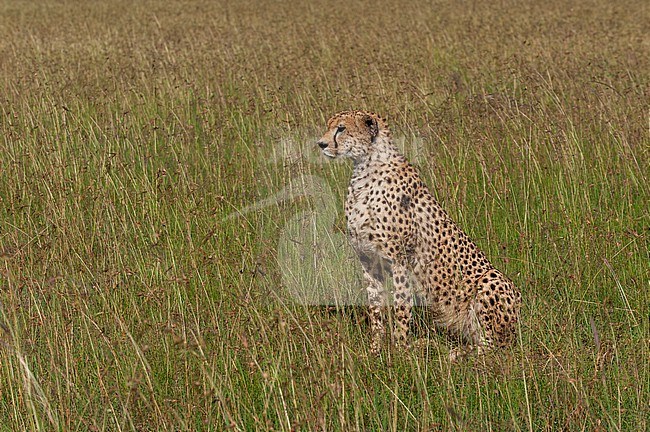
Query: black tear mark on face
x=405 y=201
x=339 y=130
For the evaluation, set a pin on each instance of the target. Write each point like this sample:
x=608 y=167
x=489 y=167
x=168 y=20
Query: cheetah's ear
x=373 y=127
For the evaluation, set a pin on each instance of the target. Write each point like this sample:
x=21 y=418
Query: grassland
x=131 y=299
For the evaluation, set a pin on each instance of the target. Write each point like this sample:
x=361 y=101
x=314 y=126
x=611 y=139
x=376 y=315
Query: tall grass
x=139 y=289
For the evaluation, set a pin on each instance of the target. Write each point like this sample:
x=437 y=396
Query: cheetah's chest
x=360 y=213
x=373 y=212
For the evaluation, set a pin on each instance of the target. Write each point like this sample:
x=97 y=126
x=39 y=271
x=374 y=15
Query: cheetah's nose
x=322 y=144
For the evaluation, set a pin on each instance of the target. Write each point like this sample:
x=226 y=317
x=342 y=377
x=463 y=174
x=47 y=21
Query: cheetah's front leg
x=373 y=276
x=402 y=304
x=377 y=302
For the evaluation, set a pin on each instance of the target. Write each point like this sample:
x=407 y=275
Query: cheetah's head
x=353 y=134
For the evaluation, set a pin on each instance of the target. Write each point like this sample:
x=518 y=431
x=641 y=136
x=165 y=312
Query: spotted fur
x=398 y=228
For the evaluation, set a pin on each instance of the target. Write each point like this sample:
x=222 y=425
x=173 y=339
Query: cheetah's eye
x=340 y=129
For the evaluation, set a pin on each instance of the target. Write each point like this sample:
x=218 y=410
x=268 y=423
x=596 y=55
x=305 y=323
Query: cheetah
x=397 y=228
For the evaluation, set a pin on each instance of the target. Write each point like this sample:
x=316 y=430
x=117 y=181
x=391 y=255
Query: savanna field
x=162 y=198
